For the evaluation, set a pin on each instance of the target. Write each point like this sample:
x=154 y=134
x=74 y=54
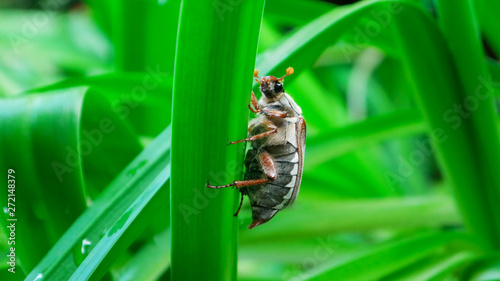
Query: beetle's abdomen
x=286 y=159
x=266 y=200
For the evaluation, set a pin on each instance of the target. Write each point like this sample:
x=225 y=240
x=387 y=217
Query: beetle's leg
x=268 y=166
x=270 y=126
x=274 y=113
x=253 y=110
x=239 y=208
x=239 y=184
x=255 y=104
x=271 y=113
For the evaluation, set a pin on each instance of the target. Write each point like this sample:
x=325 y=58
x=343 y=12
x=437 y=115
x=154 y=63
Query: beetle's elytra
x=276 y=157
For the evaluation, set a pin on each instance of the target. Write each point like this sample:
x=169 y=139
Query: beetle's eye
x=278 y=88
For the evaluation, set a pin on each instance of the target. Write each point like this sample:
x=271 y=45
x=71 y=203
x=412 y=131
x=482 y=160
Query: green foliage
x=208 y=109
x=115 y=114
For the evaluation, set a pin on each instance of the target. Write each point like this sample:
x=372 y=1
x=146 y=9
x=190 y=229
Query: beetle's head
x=271 y=86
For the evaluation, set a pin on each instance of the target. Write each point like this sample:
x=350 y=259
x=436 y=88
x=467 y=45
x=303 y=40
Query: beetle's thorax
x=266 y=100
x=284 y=103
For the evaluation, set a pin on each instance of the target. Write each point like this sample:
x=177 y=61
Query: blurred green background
x=114 y=114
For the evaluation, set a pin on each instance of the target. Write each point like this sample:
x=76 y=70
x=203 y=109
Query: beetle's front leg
x=268 y=125
x=255 y=104
x=254 y=107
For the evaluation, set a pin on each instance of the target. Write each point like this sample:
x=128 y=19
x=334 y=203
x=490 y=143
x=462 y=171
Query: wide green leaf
x=113 y=220
x=64 y=138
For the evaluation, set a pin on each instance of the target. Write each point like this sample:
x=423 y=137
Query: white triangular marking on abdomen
x=289 y=194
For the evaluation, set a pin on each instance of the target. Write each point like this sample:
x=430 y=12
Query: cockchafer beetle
x=276 y=157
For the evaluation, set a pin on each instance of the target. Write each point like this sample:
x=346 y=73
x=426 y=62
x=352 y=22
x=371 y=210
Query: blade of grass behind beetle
x=212 y=82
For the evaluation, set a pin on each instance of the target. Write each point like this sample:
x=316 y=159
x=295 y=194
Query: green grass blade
x=212 y=82
x=142 y=99
x=438 y=268
x=335 y=142
x=297 y=12
x=127 y=227
x=472 y=170
x=25 y=123
x=104 y=12
x=380 y=260
x=151 y=261
x=461 y=29
x=115 y=218
x=69 y=44
x=489 y=22
x=302 y=48
x=486 y=269
x=364 y=215
x=494 y=69
x=480 y=206
x=136 y=30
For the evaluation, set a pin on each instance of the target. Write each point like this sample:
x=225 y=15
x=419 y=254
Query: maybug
x=275 y=159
